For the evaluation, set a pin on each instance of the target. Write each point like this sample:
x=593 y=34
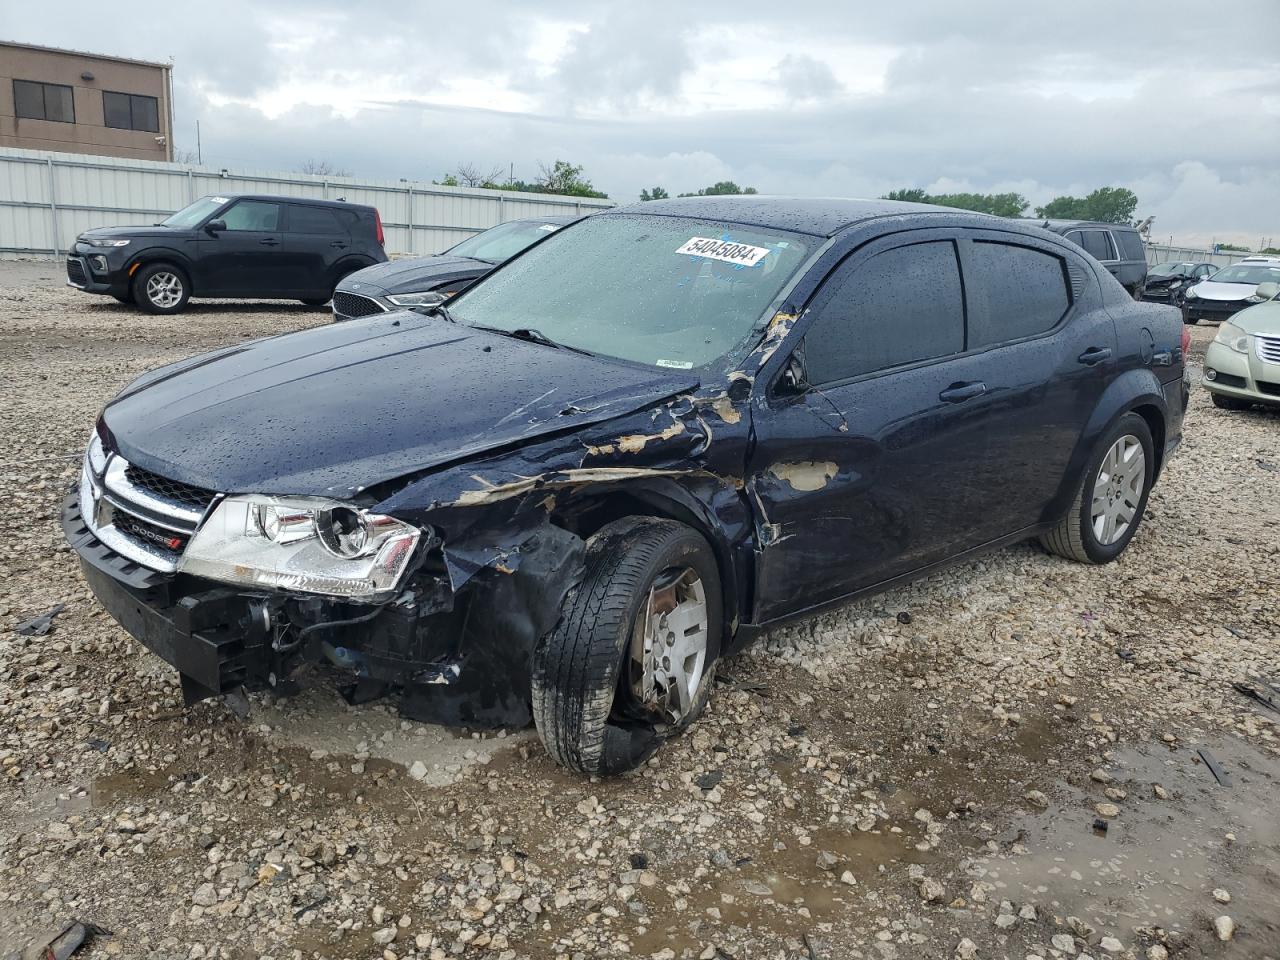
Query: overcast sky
x=1179 y=101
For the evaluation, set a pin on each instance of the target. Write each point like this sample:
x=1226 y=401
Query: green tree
x=1106 y=205
x=657 y=193
x=998 y=204
x=566 y=179
x=1272 y=251
x=1234 y=248
x=724 y=188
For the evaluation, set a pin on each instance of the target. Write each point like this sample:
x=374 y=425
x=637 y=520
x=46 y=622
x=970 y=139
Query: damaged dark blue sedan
x=622 y=455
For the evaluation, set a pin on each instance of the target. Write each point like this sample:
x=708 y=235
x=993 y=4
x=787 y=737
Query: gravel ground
x=1000 y=761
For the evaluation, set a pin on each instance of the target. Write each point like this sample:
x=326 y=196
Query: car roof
x=818 y=216
x=310 y=201
x=1067 y=224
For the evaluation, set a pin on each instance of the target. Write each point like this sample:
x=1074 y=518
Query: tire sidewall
x=687 y=548
x=140 y=288
x=1130 y=424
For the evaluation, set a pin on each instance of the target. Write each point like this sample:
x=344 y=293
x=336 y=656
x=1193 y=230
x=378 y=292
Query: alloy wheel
x=164 y=289
x=669 y=644
x=1117 y=490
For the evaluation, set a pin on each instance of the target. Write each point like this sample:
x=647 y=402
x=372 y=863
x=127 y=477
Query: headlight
x=1231 y=336
x=96 y=242
x=428 y=298
x=302 y=543
x=1255 y=299
x=1191 y=293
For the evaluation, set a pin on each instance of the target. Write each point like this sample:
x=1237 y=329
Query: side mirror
x=215 y=226
x=793 y=381
x=1268 y=291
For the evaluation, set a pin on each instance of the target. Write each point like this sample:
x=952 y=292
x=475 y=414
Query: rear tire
x=1091 y=532
x=585 y=679
x=1227 y=403
x=161 y=288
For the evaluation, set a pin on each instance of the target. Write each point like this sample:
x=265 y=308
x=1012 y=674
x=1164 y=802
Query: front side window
x=1016 y=292
x=253 y=215
x=503 y=241
x=903 y=305
x=667 y=291
x=131 y=111
x=194 y=213
x=313 y=220
x=43 y=101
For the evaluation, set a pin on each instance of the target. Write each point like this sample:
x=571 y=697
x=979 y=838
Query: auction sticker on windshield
x=739 y=253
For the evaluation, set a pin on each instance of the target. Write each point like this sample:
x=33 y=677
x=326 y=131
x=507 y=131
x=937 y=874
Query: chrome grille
x=163 y=487
x=139 y=514
x=354 y=305
x=1268 y=349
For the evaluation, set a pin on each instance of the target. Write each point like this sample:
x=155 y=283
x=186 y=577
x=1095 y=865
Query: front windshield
x=503 y=241
x=666 y=291
x=194 y=213
x=1171 y=269
x=1248 y=273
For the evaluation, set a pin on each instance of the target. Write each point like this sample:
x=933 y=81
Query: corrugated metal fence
x=47 y=199
x=1159 y=253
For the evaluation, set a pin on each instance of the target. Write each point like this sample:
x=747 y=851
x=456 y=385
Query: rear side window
x=1130 y=244
x=1097 y=243
x=253 y=215
x=319 y=220
x=900 y=306
x=1015 y=292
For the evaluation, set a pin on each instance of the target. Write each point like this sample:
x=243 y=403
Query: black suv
x=276 y=248
x=1117 y=247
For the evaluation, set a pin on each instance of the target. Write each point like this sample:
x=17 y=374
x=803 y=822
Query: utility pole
x=199 y=151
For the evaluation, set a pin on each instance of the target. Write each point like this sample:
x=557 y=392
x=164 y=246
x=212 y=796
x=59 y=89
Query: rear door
x=1046 y=359
x=315 y=239
x=243 y=259
x=875 y=469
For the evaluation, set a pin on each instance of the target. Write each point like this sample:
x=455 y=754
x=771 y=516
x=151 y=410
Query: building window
x=129 y=111
x=43 y=101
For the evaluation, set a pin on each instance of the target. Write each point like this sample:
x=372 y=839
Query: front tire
x=1111 y=500
x=632 y=661
x=161 y=288
x=316 y=301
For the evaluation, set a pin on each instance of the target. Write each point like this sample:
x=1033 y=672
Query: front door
x=876 y=468
x=244 y=259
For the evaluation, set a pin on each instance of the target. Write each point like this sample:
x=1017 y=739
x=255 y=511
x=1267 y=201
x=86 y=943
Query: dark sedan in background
x=427 y=281
x=1168 y=282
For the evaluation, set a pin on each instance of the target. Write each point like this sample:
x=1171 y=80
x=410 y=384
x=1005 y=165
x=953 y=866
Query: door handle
x=270 y=242
x=960 y=392
x=339 y=244
x=1095 y=355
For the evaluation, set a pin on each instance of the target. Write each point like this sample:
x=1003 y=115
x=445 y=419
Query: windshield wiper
x=433 y=310
x=533 y=335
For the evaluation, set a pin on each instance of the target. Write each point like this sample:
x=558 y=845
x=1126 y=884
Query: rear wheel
x=1110 y=502
x=1228 y=403
x=632 y=661
x=161 y=288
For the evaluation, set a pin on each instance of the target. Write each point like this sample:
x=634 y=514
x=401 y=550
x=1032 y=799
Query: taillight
x=377 y=219
x=1186 y=341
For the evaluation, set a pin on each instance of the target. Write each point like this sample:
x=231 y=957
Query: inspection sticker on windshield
x=675 y=364
x=739 y=253
x=218 y=199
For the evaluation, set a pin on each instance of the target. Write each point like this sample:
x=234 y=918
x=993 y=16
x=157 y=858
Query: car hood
x=1208 y=290
x=336 y=409
x=1262 y=319
x=1153 y=280
x=414 y=275
x=129 y=233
